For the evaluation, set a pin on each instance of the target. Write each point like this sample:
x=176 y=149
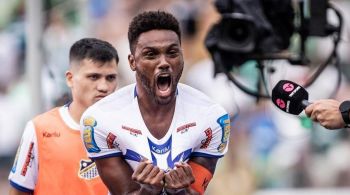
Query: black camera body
x=259 y=29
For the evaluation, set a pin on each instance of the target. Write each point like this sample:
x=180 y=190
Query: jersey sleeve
x=215 y=134
x=23 y=175
x=98 y=141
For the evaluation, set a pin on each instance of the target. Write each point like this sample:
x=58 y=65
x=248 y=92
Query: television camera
x=262 y=29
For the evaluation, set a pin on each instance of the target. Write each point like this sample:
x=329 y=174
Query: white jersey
x=24 y=173
x=114 y=127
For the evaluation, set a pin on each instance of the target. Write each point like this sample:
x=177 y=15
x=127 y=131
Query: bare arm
x=14 y=191
x=120 y=178
x=116 y=175
x=208 y=163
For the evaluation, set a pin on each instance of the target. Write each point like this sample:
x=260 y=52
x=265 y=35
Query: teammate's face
x=90 y=81
x=158 y=62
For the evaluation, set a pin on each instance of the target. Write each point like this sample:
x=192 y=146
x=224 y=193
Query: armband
x=202 y=177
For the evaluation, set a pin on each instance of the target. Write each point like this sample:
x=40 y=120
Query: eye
x=150 y=54
x=93 y=77
x=111 y=78
x=173 y=52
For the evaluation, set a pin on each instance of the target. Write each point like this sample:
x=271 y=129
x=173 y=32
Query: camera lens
x=237 y=33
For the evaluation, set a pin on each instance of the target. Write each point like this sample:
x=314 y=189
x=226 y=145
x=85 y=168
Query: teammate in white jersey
x=156 y=136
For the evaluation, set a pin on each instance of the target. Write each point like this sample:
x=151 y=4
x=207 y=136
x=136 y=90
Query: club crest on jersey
x=87 y=170
x=184 y=128
x=224 y=122
x=88 y=135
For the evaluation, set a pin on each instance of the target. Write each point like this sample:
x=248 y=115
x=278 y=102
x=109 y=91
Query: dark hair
x=151 y=20
x=95 y=49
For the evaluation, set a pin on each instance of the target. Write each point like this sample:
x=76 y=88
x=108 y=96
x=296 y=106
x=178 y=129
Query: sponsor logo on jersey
x=88 y=135
x=87 y=170
x=134 y=132
x=224 y=122
x=184 y=128
x=160 y=149
x=28 y=161
x=110 y=140
x=51 y=134
x=209 y=136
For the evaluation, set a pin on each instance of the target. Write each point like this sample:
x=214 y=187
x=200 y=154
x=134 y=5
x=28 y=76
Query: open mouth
x=164 y=83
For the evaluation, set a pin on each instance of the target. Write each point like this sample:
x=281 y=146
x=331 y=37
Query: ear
x=132 y=63
x=69 y=78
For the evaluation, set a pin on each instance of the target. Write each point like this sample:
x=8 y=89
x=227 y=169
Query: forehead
x=91 y=66
x=157 y=38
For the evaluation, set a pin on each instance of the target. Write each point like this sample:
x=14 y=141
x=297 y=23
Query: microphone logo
x=280 y=103
x=289 y=97
x=288 y=87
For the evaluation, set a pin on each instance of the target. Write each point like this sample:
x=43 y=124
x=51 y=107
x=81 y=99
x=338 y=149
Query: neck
x=76 y=111
x=149 y=105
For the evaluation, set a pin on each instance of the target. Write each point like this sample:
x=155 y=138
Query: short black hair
x=92 y=48
x=151 y=20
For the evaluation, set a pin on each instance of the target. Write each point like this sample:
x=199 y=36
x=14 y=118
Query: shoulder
x=194 y=97
x=47 y=116
x=115 y=101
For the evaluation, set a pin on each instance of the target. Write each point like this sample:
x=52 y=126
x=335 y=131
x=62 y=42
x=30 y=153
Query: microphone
x=290 y=97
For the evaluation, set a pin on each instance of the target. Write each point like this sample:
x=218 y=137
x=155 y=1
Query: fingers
x=186 y=167
x=309 y=109
x=142 y=170
x=314 y=115
x=159 y=178
x=148 y=174
x=179 y=178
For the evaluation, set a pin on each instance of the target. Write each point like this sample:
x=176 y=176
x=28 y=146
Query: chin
x=95 y=100
x=164 y=100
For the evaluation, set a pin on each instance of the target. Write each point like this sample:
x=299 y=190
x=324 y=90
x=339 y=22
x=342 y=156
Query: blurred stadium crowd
x=268 y=149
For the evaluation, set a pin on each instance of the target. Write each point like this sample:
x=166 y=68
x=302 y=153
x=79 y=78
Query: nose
x=103 y=86
x=164 y=64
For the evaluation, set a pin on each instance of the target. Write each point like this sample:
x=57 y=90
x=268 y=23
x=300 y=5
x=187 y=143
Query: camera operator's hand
x=326 y=112
x=150 y=177
x=179 y=179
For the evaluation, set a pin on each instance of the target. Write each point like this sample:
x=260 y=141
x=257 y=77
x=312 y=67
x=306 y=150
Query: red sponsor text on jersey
x=132 y=130
x=186 y=126
x=28 y=159
x=51 y=134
